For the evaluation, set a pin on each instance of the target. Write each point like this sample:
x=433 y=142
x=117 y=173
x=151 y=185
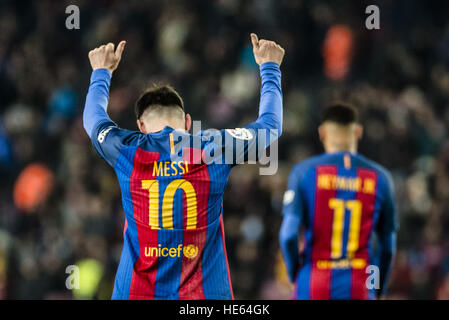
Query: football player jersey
x=172 y=184
x=341 y=199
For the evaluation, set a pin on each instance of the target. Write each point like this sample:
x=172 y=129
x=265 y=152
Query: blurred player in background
x=342 y=199
x=174 y=246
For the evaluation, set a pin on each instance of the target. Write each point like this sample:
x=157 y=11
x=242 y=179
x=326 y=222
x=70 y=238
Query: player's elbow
x=387 y=253
x=277 y=127
x=287 y=239
x=288 y=234
x=86 y=124
x=386 y=256
x=388 y=244
x=289 y=251
x=273 y=123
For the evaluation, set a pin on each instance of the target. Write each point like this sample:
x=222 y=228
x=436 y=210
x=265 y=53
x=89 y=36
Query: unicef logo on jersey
x=189 y=251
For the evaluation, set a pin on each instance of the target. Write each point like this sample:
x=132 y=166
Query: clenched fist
x=266 y=51
x=106 y=57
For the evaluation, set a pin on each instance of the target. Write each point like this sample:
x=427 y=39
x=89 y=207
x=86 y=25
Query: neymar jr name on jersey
x=356 y=184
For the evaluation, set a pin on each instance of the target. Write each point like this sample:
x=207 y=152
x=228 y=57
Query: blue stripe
x=310 y=192
x=168 y=276
x=178 y=208
x=341 y=284
x=131 y=249
x=303 y=283
x=214 y=269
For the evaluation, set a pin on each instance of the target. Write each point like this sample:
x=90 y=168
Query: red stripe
x=192 y=156
x=320 y=280
x=225 y=254
x=145 y=268
x=320 y=283
x=323 y=217
x=223 y=239
x=368 y=200
x=191 y=286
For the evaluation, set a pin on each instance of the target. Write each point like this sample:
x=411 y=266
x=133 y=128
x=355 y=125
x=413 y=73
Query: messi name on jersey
x=169 y=168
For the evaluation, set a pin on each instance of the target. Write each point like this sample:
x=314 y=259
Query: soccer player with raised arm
x=341 y=199
x=172 y=182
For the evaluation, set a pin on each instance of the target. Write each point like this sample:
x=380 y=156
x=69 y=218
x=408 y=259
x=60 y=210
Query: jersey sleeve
x=107 y=138
x=388 y=219
x=292 y=217
x=387 y=227
x=293 y=203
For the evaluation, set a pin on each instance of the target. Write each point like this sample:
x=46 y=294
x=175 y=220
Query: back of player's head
x=341 y=113
x=339 y=129
x=159 y=98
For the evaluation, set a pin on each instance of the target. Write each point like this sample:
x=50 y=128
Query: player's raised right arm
x=104 y=60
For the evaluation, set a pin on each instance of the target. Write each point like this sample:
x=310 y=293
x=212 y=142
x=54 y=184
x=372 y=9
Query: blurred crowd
x=60 y=203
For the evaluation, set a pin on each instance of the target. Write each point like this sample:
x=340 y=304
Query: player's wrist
x=101 y=74
x=269 y=62
x=269 y=67
x=102 y=70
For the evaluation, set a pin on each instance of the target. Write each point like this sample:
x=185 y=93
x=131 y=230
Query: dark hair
x=164 y=96
x=341 y=113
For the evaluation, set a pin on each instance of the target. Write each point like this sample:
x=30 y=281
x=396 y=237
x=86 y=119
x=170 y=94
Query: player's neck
x=153 y=128
x=160 y=129
x=336 y=149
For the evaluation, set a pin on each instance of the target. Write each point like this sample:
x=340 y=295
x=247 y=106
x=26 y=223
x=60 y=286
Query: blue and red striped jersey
x=172 y=184
x=341 y=200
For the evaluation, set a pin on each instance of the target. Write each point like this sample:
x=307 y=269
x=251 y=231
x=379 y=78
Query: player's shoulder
x=110 y=129
x=109 y=140
x=312 y=162
x=208 y=135
x=306 y=165
x=223 y=137
x=246 y=133
x=383 y=172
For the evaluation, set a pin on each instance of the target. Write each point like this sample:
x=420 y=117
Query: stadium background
x=60 y=203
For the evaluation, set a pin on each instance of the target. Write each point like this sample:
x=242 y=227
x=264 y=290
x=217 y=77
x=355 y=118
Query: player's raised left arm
x=269 y=56
x=104 y=60
x=268 y=126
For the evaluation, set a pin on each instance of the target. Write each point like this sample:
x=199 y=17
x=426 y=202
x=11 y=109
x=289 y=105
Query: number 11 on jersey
x=355 y=210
